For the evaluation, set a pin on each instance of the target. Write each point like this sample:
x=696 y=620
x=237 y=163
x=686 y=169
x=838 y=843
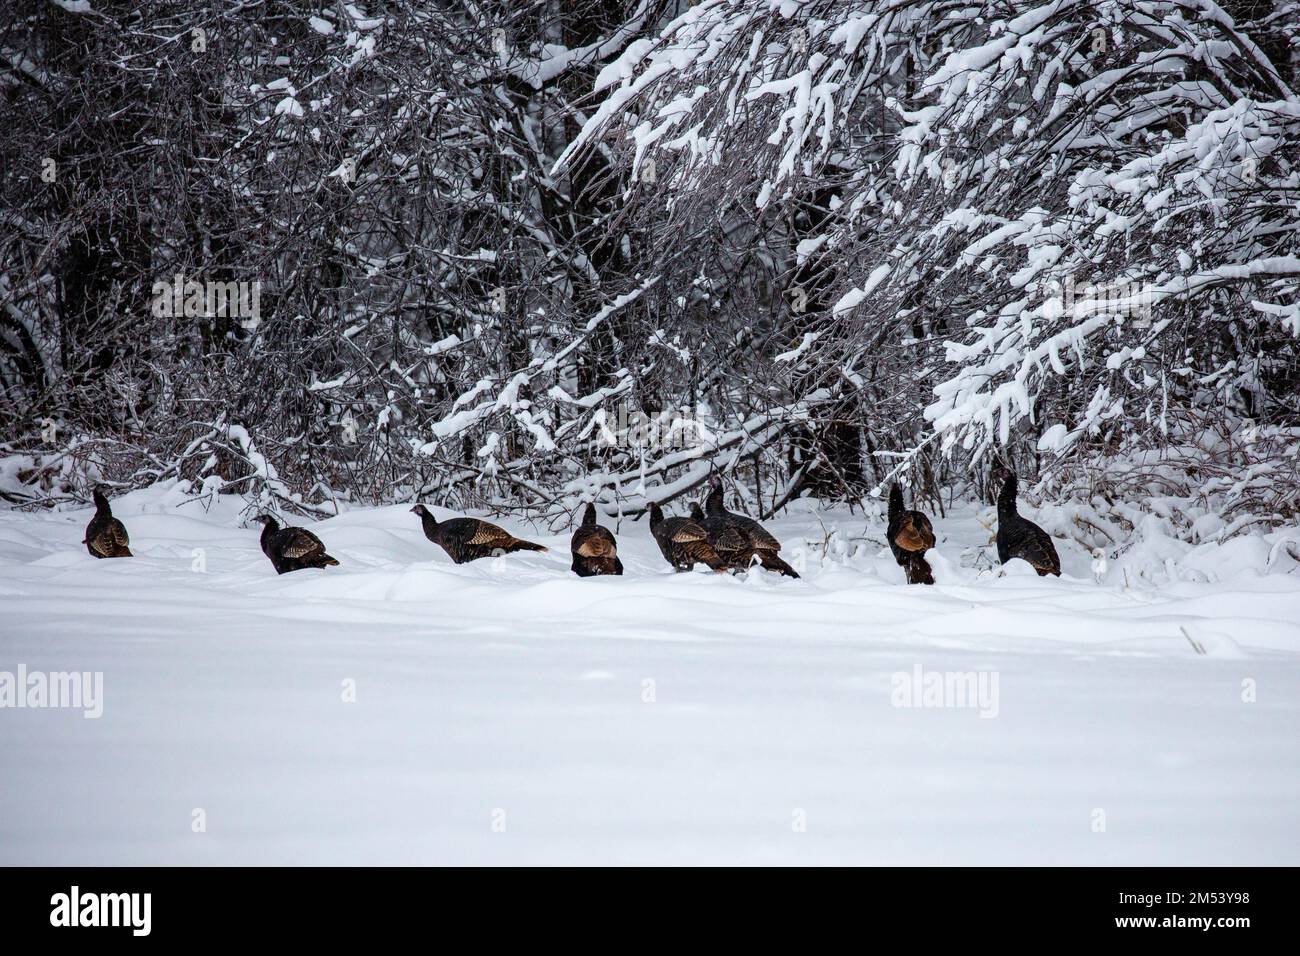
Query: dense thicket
x=812 y=243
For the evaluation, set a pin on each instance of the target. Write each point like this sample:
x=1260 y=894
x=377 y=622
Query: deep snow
x=505 y=713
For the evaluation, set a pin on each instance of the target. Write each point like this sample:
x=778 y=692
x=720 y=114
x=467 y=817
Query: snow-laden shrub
x=850 y=238
x=1047 y=227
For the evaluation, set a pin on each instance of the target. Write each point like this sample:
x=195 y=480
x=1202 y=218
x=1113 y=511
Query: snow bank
x=507 y=711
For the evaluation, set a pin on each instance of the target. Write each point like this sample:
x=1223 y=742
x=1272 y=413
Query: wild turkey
x=468 y=539
x=292 y=549
x=1020 y=538
x=594 y=549
x=106 y=537
x=910 y=536
x=683 y=542
x=739 y=539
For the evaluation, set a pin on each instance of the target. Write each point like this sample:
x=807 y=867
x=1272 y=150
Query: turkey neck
x=1007 y=499
x=656 y=517
x=895 y=502
x=589 y=516
x=713 y=503
x=430 y=524
x=101 y=504
x=269 y=529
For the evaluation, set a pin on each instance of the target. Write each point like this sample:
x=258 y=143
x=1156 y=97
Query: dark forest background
x=499 y=248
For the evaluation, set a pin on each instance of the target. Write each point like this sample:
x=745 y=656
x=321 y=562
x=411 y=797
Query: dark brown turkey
x=739 y=539
x=683 y=543
x=468 y=539
x=106 y=536
x=292 y=549
x=910 y=536
x=1019 y=537
x=594 y=549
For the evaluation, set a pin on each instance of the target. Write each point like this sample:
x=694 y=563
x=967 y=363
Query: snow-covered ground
x=509 y=712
